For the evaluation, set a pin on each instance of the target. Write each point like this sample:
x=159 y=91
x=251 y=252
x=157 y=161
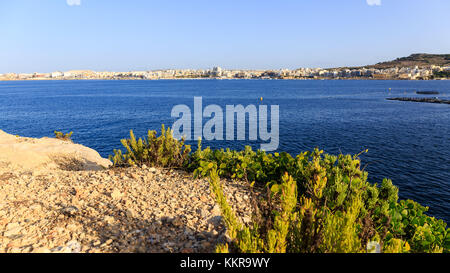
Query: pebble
x=116 y=194
x=70 y=211
x=12 y=230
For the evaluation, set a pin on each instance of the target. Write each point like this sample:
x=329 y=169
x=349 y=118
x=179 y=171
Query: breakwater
x=427 y=100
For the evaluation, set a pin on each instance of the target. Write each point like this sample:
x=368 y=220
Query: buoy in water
x=261 y=98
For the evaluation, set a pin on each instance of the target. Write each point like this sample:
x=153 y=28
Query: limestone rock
x=34 y=154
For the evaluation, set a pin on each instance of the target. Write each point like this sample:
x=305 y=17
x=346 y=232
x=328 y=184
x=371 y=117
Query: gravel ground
x=116 y=210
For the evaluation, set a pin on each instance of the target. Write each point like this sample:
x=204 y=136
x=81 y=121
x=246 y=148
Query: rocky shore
x=109 y=210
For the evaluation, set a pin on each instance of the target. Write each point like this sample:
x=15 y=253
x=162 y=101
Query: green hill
x=420 y=60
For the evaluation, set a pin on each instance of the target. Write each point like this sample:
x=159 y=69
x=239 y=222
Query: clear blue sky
x=122 y=35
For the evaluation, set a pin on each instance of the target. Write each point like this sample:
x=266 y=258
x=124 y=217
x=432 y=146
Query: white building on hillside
x=57 y=74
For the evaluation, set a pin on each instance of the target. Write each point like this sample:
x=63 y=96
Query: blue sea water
x=408 y=142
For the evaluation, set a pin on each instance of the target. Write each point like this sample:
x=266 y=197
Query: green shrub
x=254 y=239
x=62 y=136
x=337 y=209
x=162 y=151
x=424 y=233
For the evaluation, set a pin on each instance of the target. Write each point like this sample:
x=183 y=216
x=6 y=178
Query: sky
x=124 y=35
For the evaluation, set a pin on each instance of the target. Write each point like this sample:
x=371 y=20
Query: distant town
x=414 y=67
x=395 y=73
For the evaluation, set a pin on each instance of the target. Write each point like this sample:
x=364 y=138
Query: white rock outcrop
x=34 y=154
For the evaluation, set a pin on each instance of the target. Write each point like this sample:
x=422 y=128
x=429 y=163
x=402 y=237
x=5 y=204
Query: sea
x=408 y=142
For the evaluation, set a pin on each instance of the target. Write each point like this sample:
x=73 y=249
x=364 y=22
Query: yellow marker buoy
x=261 y=98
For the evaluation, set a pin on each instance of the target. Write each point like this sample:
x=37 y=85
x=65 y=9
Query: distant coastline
x=414 y=67
x=209 y=79
x=405 y=73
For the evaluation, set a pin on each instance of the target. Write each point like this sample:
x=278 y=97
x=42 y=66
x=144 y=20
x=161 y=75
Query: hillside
x=420 y=60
